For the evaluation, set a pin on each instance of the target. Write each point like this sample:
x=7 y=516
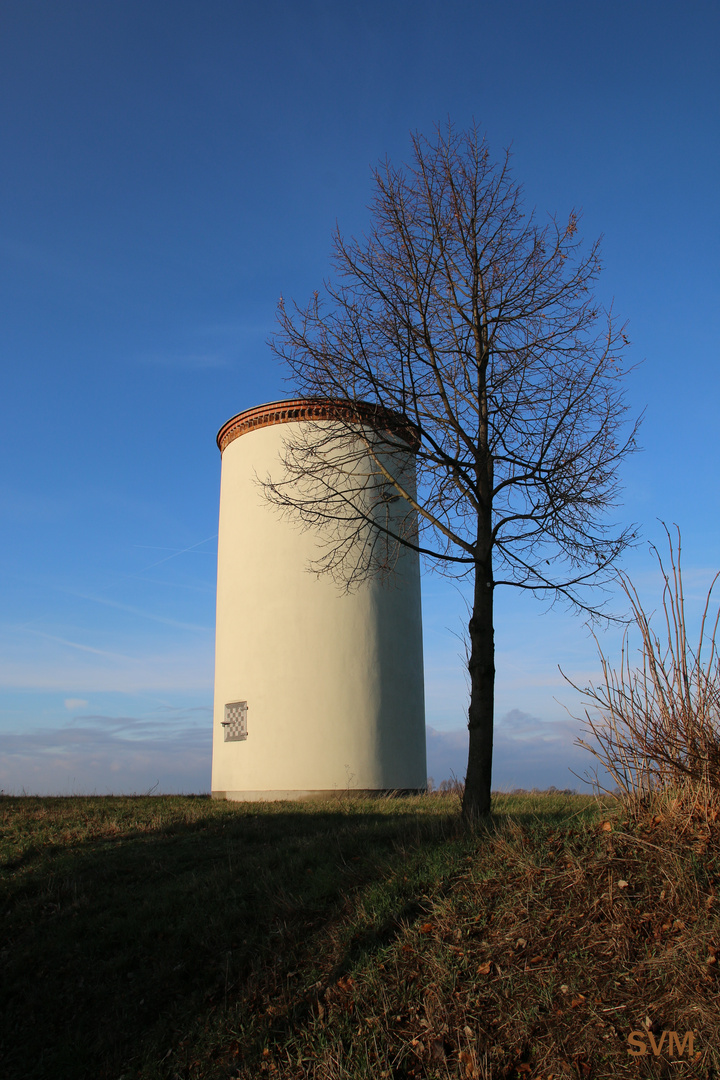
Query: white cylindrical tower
x=316 y=690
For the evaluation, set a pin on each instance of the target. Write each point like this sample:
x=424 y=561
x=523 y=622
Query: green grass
x=150 y=938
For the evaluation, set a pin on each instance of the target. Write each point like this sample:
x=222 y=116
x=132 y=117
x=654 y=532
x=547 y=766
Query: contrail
x=176 y=553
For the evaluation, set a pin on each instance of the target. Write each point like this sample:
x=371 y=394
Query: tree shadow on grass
x=118 y=949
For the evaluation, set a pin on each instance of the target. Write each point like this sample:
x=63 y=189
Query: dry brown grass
x=187 y=940
x=655 y=727
x=536 y=954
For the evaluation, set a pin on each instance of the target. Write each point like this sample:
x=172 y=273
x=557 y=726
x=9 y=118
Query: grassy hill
x=183 y=938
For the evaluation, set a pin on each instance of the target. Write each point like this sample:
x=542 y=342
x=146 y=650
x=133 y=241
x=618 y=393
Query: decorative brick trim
x=287 y=412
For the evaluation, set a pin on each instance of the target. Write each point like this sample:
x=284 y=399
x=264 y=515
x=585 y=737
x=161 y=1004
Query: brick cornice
x=295 y=409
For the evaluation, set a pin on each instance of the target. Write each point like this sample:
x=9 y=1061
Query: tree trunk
x=476 y=800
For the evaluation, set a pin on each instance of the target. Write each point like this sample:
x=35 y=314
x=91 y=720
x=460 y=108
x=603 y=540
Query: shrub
x=655 y=727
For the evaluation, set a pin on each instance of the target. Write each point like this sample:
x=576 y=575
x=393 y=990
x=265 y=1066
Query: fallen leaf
x=623 y=885
x=426 y=928
x=605 y=826
x=466 y=1059
x=484 y=969
x=520 y=943
x=437 y=1050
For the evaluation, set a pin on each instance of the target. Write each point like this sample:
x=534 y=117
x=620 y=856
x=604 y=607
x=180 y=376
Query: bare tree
x=468 y=339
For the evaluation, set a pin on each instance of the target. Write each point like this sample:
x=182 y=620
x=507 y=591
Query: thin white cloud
x=181 y=551
x=111 y=754
x=207 y=587
x=75 y=670
x=165 y=620
x=72 y=703
x=171 y=747
x=76 y=645
x=528 y=753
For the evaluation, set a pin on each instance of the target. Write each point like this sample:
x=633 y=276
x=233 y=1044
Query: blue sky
x=169 y=169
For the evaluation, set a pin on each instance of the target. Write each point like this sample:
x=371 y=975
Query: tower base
x=298 y=795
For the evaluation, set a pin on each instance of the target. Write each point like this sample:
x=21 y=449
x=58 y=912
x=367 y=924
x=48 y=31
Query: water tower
x=317 y=690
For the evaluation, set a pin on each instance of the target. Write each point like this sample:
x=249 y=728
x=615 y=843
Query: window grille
x=235 y=722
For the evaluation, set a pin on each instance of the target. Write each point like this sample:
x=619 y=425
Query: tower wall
x=333 y=681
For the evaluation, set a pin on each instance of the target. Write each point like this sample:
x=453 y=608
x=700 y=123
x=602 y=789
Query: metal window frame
x=235 y=722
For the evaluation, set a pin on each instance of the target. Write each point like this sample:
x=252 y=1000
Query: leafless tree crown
x=478 y=326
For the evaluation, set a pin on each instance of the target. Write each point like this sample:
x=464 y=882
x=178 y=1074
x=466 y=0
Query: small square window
x=235 y=722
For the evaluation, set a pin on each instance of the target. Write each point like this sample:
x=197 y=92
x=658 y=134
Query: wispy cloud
x=101 y=754
x=179 y=551
x=528 y=753
x=171 y=746
x=166 y=620
x=447 y=753
x=75 y=645
x=77 y=670
x=72 y=703
x=520 y=727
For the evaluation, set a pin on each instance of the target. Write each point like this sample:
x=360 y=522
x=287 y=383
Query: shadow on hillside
x=116 y=947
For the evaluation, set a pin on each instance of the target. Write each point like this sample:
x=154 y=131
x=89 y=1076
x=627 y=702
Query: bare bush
x=655 y=727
